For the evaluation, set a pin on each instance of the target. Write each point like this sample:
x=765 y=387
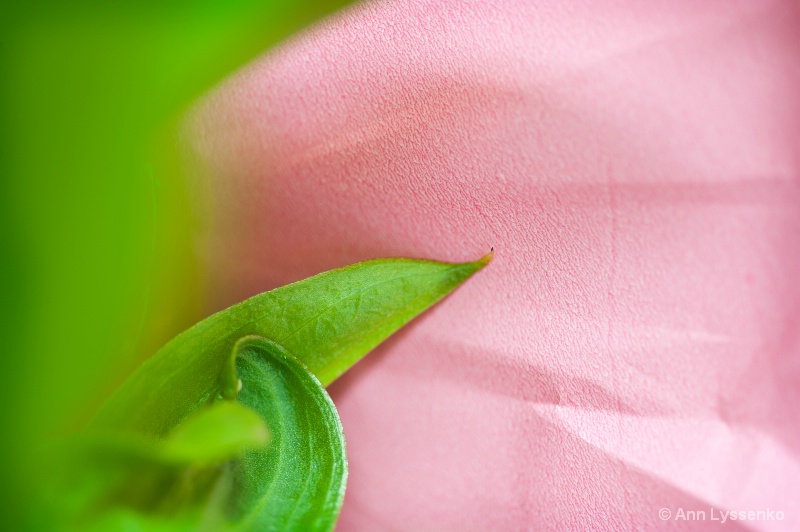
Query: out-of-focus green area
x=98 y=261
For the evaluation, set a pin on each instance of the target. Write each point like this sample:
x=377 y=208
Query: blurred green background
x=96 y=227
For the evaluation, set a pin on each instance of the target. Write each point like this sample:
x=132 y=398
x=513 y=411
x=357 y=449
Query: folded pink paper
x=631 y=357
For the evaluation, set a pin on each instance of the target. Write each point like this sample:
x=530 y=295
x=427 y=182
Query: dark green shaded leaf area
x=114 y=481
x=229 y=426
x=297 y=482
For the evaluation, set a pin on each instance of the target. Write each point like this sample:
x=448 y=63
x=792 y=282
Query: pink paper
x=635 y=344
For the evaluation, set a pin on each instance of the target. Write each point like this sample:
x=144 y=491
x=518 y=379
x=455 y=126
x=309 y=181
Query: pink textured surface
x=636 y=342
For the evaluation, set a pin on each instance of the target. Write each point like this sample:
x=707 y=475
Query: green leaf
x=215 y=468
x=183 y=452
x=214 y=435
x=298 y=481
x=180 y=481
x=329 y=322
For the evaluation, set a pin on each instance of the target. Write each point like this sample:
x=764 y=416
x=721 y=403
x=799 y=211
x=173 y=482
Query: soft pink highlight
x=635 y=344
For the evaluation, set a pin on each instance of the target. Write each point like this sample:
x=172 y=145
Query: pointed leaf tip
x=328 y=321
